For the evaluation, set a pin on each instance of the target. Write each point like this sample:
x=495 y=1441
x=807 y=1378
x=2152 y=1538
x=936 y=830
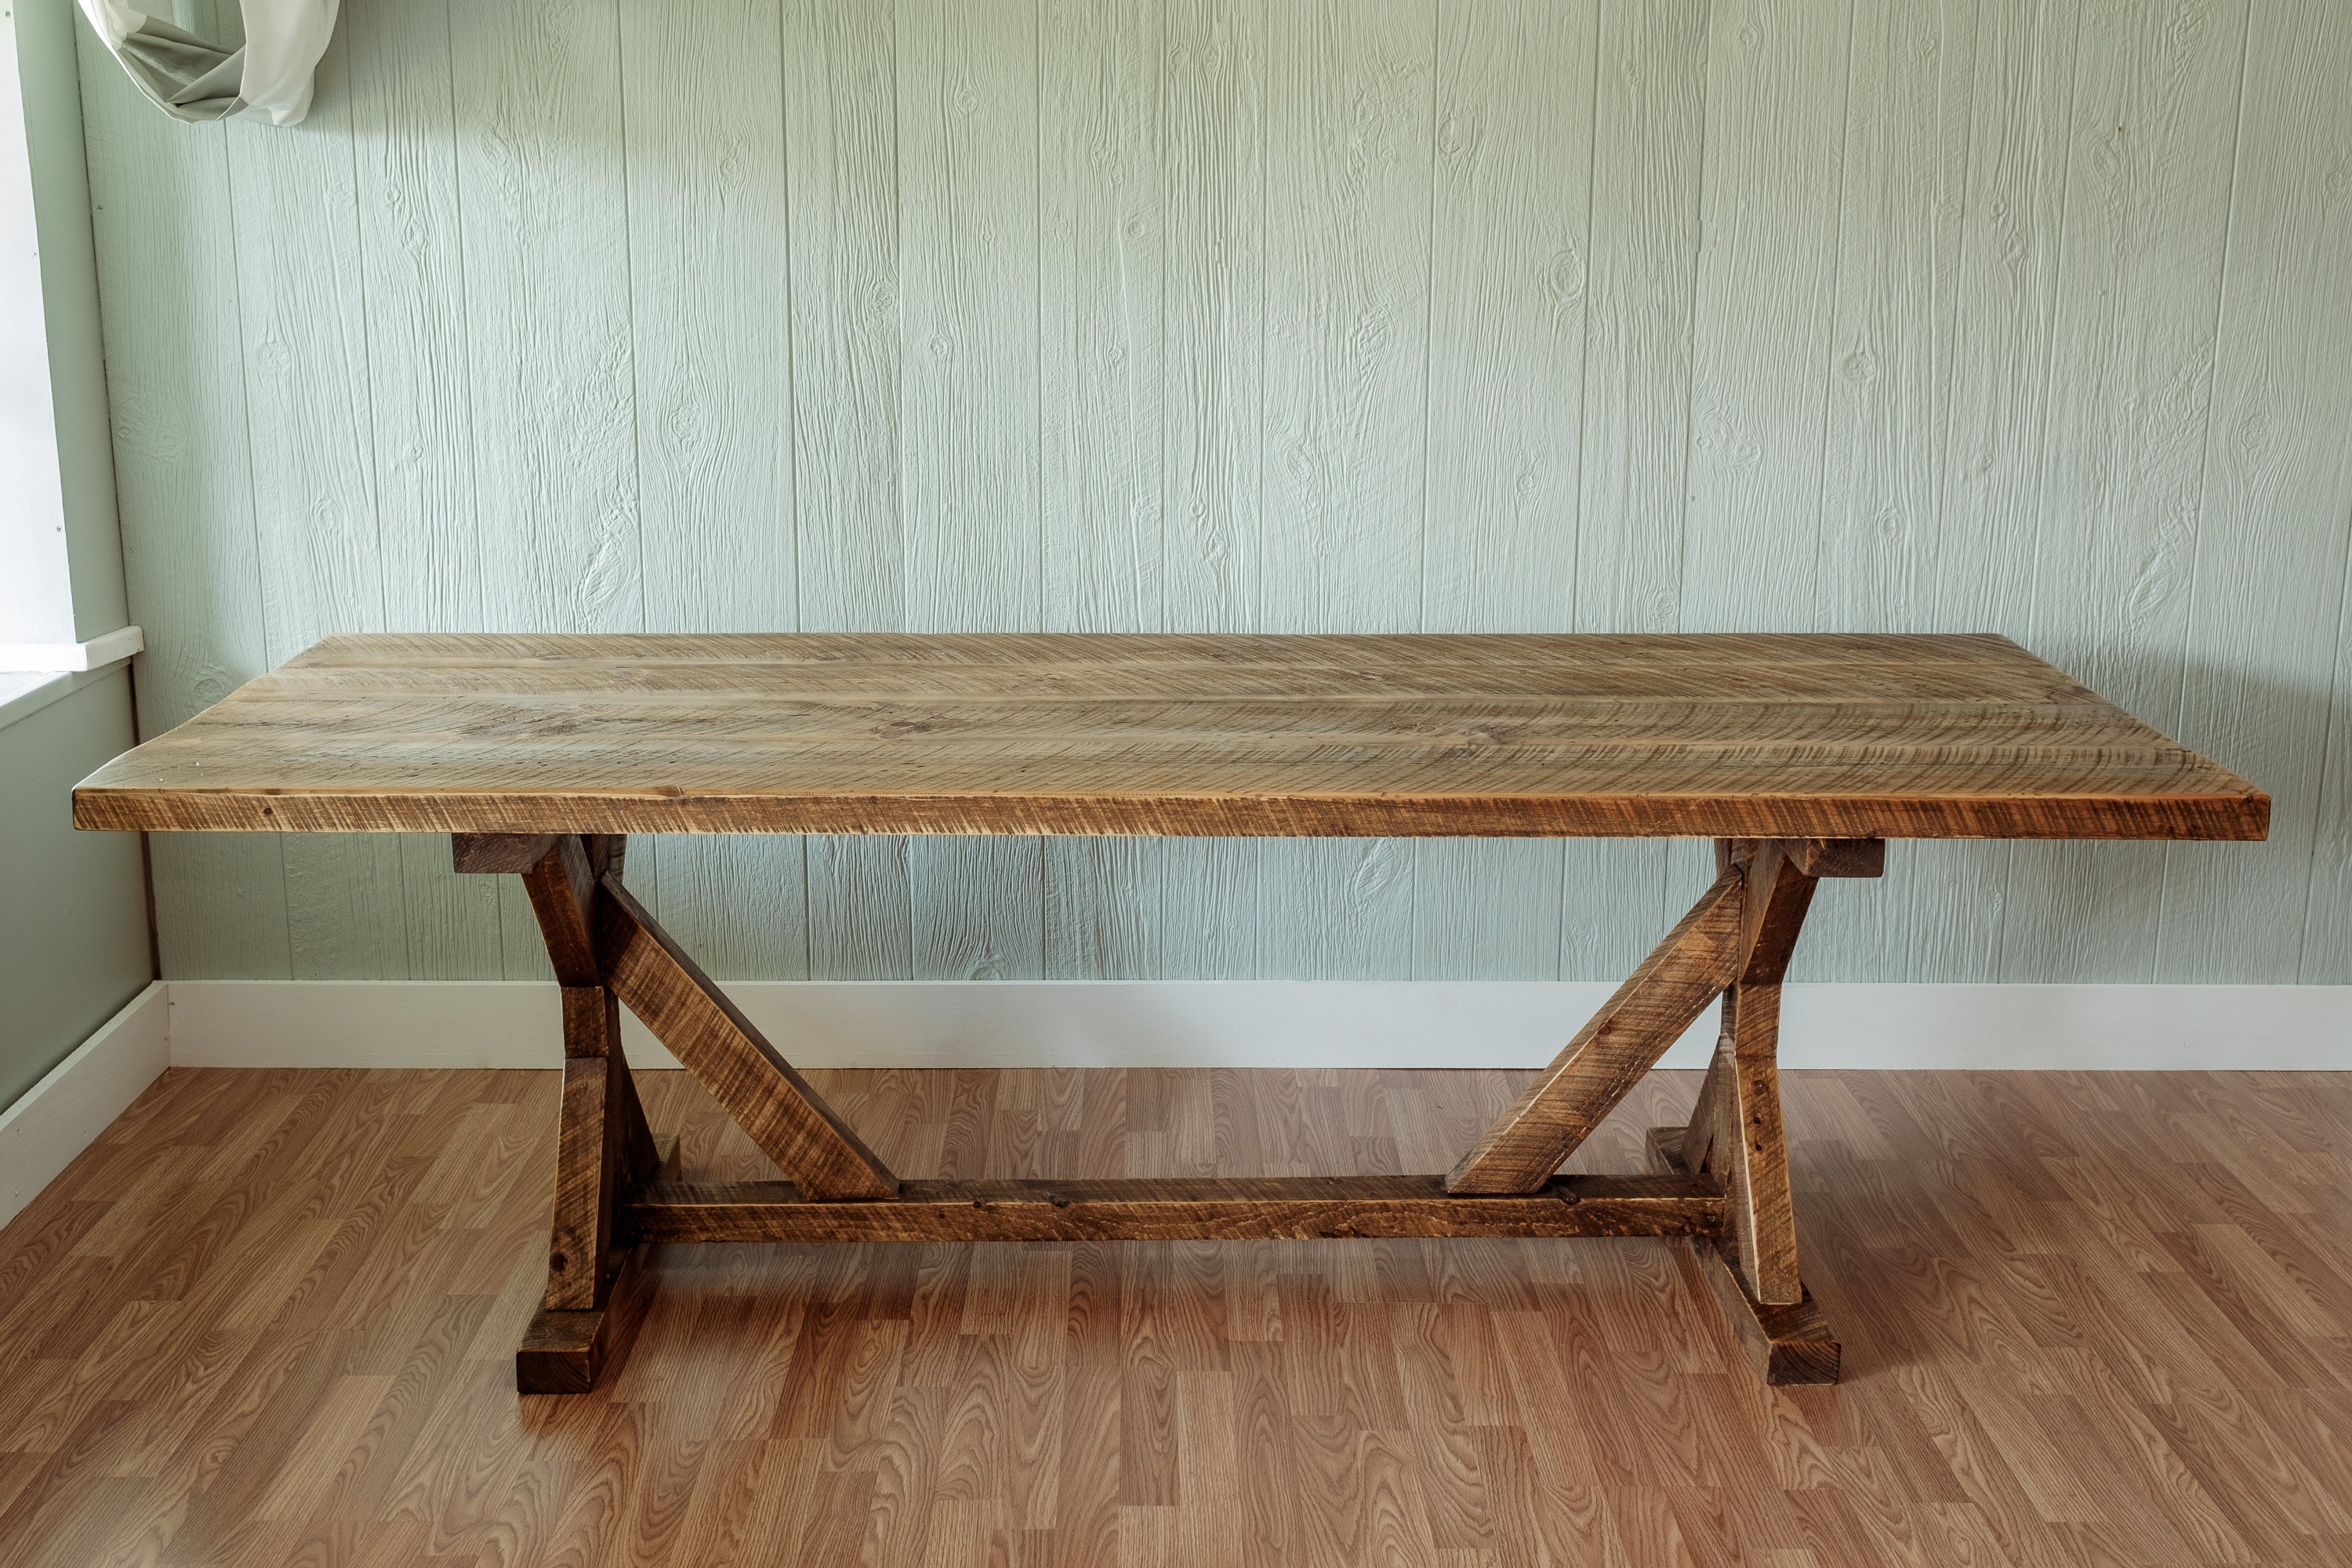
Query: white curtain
x=195 y=79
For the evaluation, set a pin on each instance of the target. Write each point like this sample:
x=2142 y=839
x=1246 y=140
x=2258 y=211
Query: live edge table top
x=1731 y=736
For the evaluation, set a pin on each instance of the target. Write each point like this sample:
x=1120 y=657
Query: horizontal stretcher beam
x=1238 y=1208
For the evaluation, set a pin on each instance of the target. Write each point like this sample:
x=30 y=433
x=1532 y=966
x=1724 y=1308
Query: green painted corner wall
x=73 y=926
x=2024 y=316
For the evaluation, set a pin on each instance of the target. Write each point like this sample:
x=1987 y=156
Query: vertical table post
x=1735 y=1130
x=604 y=1145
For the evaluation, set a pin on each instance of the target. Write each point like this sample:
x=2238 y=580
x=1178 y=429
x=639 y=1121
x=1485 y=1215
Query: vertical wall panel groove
x=2259 y=667
x=1649 y=116
x=1212 y=97
x=1101 y=272
x=969 y=156
x=1885 y=441
x=840 y=152
x=2153 y=141
x=1511 y=243
x=1350 y=154
x=711 y=311
x=412 y=286
x=2013 y=222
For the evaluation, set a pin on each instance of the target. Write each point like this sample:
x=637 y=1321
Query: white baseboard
x=63 y=1114
x=1461 y=1024
x=1177 y=1023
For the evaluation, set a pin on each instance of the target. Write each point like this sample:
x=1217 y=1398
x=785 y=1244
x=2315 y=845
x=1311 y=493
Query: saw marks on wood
x=269 y=1318
x=1491 y=736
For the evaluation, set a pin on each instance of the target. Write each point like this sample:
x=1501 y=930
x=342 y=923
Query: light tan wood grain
x=1743 y=736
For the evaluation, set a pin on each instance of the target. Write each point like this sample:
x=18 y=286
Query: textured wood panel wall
x=2024 y=316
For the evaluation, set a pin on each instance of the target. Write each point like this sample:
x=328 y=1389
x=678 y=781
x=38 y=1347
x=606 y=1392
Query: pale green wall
x=73 y=913
x=2026 y=316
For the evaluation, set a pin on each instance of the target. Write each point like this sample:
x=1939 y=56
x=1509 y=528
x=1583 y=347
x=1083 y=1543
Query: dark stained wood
x=608 y=853
x=1561 y=1105
x=604 y=1144
x=490 y=852
x=1708 y=1115
x=567 y=1346
x=639 y=1153
x=1837 y=856
x=1790 y=1344
x=1794 y=735
x=563 y=888
x=1747 y=1148
x=1169 y=1209
x=592 y=1027
x=712 y=1039
x=567 y=1352
x=591 y=1014
x=1772 y=915
x=1749 y=1152
x=587 y=1162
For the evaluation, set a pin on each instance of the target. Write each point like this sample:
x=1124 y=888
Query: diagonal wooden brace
x=604 y=945
x=775 y=1107
x=1703 y=956
x=1562 y=1106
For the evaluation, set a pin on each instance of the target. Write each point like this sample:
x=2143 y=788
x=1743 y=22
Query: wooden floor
x=2088 y=1319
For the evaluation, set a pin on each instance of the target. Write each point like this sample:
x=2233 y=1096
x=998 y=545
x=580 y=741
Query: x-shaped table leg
x=1736 y=942
x=606 y=951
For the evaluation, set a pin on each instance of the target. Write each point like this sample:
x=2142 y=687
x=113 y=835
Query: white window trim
x=72 y=657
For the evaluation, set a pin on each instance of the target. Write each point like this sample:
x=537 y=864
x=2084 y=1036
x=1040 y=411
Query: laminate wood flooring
x=2088 y=1319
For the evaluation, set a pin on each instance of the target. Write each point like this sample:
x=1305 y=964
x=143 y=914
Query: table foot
x=1789 y=1345
x=566 y=1350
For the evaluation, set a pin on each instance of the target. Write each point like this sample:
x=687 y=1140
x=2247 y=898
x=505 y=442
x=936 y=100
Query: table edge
x=2226 y=815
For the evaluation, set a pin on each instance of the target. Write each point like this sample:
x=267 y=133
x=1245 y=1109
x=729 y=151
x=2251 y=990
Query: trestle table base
x=1721 y=1183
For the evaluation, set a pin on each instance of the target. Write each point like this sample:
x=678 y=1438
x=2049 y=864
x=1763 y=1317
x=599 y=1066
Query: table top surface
x=1713 y=736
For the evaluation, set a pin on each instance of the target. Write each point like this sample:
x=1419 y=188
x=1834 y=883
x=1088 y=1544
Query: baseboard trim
x=1173 y=1023
x=1293 y=1023
x=64 y=1113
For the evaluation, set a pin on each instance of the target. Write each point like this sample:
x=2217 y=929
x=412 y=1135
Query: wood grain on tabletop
x=1831 y=736
x=271 y=1317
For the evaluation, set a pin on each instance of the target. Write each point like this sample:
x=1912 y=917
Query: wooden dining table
x=1801 y=755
